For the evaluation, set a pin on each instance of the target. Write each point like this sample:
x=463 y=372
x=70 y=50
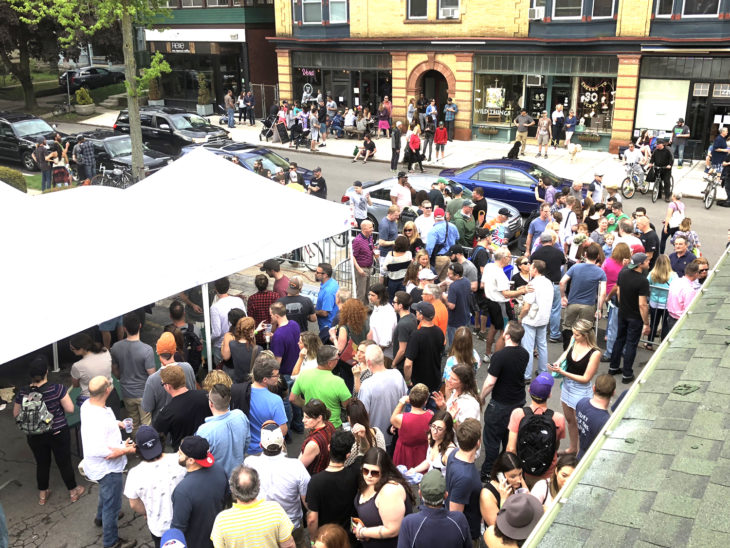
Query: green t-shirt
x=613 y=221
x=323 y=385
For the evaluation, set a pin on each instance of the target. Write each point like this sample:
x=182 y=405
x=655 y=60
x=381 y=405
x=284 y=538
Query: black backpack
x=192 y=348
x=537 y=438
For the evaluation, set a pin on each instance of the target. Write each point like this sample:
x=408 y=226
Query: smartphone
x=501 y=478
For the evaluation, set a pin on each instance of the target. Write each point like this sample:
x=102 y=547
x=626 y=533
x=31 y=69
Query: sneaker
x=537 y=155
x=522 y=153
x=613 y=371
x=679 y=167
x=322 y=145
x=605 y=359
x=122 y=543
x=628 y=380
x=545 y=156
x=527 y=382
x=486 y=358
x=555 y=340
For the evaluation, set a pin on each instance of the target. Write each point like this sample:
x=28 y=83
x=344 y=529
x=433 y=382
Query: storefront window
x=497 y=98
x=595 y=104
x=306 y=83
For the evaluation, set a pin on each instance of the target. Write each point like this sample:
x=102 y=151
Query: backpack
x=34 y=417
x=536 y=441
x=192 y=348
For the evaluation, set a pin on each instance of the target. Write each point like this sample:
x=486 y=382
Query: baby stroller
x=267 y=131
x=299 y=136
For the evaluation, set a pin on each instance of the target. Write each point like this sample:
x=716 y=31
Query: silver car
x=380 y=195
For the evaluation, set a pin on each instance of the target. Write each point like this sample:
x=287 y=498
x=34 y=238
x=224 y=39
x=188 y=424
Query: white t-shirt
x=540 y=301
x=382 y=323
x=153 y=483
x=283 y=480
x=463 y=407
x=495 y=281
x=99 y=433
x=634 y=157
x=424 y=225
x=90 y=366
x=628 y=239
x=402 y=194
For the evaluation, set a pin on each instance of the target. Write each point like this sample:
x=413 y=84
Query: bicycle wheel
x=98 y=179
x=655 y=190
x=340 y=240
x=312 y=256
x=59 y=109
x=710 y=194
x=627 y=188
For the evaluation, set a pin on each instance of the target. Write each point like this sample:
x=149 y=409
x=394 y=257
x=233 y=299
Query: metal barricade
x=333 y=250
x=657 y=316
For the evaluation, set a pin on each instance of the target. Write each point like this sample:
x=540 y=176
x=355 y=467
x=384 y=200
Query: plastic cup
x=267 y=328
x=128 y=425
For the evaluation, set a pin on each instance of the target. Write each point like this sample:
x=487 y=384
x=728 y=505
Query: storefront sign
x=308 y=72
x=179 y=47
x=493 y=112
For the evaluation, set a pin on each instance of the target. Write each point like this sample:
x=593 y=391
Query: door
x=719 y=118
x=520 y=189
x=8 y=142
x=435 y=87
x=164 y=136
x=536 y=103
x=490 y=179
x=341 y=87
x=149 y=134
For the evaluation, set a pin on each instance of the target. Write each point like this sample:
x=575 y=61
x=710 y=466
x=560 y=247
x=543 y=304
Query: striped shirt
x=261 y=524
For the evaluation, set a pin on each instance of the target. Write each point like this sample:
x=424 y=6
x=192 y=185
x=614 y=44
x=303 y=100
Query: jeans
x=251 y=115
x=110 y=503
x=46 y=179
x=58 y=445
x=231 y=117
x=395 y=154
x=450 y=129
x=450 y=333
x=555 y=313
x=629 y=333
x=657 y=316
x=427 y=145
x=393 y=287
x=532 y=336
x=496 y=421
x=678 y=150
x=3 y=529
x=666 y=236
x=241 y=114
x=294 y=414
x=611 y=327
x=422 y=120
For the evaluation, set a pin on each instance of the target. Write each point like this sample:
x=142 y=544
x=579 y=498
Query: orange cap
x=166 y=343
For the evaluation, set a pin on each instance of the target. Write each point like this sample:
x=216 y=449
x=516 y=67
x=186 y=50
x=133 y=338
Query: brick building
x=622 y=65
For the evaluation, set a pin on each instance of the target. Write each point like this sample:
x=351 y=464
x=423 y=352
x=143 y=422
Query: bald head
x=98 y=386
x=642 y=223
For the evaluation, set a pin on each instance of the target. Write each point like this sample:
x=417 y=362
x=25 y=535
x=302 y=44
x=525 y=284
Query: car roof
x=165 y=110
x=17 y=116
x=504 y=162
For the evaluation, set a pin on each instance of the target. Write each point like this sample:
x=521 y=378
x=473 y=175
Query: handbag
x=650 y=175
x=348 y=353
x=564 y=364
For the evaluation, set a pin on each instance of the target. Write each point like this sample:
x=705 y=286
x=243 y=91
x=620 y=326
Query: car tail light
x=114 y=126
x=345 y=199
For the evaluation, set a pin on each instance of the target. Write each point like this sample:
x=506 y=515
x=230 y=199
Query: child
x=608 y=246
x=685 y=231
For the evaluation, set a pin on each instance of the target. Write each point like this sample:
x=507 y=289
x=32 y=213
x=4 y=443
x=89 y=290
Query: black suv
x=169 y=129
x=89 y=77
x=18 y=136
x=113 y=150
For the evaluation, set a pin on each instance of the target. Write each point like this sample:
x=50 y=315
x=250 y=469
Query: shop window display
x=595 y=104
x=497 y=98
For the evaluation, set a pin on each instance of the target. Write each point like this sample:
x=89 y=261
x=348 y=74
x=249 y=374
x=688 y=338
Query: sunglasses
x=704 y=270
x=425 y=207
x=524 y=264
x=370 y=472
x=408 y=230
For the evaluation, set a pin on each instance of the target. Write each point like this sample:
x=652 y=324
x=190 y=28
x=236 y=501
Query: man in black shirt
x=330 y=494
x=633 y=313
x=435 y=195
x=662 y=158
x=505 y=381
x=649 y=240
x=318 y=186
x=186 y=411
x=405 y=327
x=554 y=259
x=299 y=308
x=423 y=353
x=480 y=206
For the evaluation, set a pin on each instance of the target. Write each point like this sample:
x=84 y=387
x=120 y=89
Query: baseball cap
x=166 y=343
x=173 y=538
x=438 y=212
x=542 y=386
x=504 y=211
x=402 y=174
x=467 y=203
x=148 y=442
x=198 y=449
x=680 y=121
x=271 y=264
x=637 y=259
x=357 y=183
x=433 y=487
x=426 y=309
x=317 y=169
x=457 y=189
x=598 y=172
x=426 y=274
x=271 y=436
x=40 y=139
x=456 y=248
x=295 y=285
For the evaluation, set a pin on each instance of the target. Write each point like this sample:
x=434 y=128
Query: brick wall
x=627 y=85
x=634 y=17
x=283 y=65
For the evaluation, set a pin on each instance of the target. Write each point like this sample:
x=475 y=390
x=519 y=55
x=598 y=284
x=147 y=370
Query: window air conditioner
x=449 y=13
x=533 y=80
x=534 y=14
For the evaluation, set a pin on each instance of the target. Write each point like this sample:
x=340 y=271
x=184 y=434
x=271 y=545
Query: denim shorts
x=111 y=325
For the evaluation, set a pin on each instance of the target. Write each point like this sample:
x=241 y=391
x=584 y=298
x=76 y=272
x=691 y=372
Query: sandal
x=566 y=452
x=76 y=492
x=43 y=497
x=649 y=347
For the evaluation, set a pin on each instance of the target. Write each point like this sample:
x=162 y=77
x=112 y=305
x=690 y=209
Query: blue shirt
x=464 y=486
x=327 y=301
x=459 y=294
x=680 y=263
x=387 y=231
x=449 y=115
x=438 y=235
x=570 y=123
x=590 y=421
x=434 y=528
x=228 y=436
x=265 y=406
x=717 y=156
x=537 y=227
x=584 y=281
x=196 y=501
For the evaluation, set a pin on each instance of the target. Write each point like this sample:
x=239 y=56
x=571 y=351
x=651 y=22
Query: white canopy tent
x=75 y=258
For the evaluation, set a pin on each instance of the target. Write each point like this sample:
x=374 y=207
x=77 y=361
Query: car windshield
x=466 y=168
x=188 y=121
x=270 y=161
x=547 y=176
x=121 y=147
x=34 y=126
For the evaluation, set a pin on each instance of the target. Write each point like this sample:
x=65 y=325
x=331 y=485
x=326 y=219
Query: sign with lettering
x=493 y=112
x=308 y=72
x=180 y=47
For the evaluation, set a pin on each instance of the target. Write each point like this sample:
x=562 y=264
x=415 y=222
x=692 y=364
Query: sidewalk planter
x=85 y=110
x=592 y=141
x=204 y=110
x=494 y=133
x=156 y=102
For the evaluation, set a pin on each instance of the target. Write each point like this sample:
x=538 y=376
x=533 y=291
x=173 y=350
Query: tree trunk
x=24 y=77
x=130 y=72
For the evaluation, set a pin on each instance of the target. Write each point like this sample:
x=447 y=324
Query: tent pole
x=206 y=314
x=56 y=369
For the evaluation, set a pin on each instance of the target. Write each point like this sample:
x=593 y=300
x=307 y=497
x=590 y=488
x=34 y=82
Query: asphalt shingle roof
x=662 y=478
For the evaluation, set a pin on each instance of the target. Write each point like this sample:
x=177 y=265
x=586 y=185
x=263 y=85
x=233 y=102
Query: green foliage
x=14 y=178
x=99 y=95
x=150 y=79
x=203 y=89
x=83 y=97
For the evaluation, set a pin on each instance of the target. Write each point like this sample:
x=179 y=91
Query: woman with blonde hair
x=309 y=344
x=241 y=349
x=415 y=243
x=660 y=278
x=216 y=376
x=582 y=358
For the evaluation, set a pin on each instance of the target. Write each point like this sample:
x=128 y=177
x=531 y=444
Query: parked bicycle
x=659 y=183
x=62 y=108
x=635 y=180
x=310 y=256
x=710 y=193
x=115 y=177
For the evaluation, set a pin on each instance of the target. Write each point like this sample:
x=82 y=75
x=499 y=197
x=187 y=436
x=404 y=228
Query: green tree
x=75 y=16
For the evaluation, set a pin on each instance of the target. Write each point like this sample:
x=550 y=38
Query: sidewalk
x=688 y=181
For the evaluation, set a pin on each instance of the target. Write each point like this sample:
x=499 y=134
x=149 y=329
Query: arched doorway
x=435 y=86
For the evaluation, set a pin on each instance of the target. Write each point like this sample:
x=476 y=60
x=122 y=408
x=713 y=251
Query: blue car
x=247 y=154
x=509 y=181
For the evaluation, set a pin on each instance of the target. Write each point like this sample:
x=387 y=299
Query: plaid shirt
x=258 y=309
x=86 y=153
